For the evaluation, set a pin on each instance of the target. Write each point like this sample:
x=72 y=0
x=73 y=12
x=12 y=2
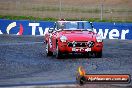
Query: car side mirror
x=91 y=24
x=50 y=30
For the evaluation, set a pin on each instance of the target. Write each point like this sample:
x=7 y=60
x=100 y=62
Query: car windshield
x=74 y=25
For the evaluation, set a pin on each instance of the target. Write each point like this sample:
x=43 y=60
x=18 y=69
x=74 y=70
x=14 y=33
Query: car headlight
x=99 y=39
x=63 y=38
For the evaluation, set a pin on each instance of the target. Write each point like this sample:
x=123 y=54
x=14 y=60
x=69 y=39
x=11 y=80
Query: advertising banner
x=113 y=30
x=24 y=27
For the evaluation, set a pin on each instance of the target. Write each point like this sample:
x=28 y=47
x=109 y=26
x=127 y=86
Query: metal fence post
x=60 y=9
x=101 y=16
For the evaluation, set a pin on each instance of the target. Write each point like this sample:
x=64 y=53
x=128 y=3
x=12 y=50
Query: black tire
x=98 y=54
x=58 y=54
x=48 y=53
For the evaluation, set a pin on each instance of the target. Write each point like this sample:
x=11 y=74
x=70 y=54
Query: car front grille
x=81 y=44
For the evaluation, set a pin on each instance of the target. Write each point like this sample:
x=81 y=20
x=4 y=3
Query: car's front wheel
x=58 y=53
x=98 y=54
x=48 y=53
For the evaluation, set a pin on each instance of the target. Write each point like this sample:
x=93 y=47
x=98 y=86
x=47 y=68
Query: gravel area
x=23 y=61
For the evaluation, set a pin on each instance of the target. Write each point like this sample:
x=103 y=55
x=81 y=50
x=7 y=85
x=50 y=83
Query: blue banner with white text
x=25 y=27
x=113 y=30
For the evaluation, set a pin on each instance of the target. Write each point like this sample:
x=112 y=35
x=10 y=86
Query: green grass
x=31 y=18
x=19 y=17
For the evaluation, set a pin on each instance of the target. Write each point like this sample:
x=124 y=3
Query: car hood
x=79 y=35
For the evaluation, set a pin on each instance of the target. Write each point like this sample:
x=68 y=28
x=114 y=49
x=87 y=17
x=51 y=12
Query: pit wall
x=24 y=27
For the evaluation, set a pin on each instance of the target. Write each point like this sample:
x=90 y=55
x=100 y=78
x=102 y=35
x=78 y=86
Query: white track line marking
x=21 y=43
x=47 y=86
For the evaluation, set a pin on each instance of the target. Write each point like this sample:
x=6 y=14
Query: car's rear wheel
x=58 y=53
x=98 y=54
x=49 y=53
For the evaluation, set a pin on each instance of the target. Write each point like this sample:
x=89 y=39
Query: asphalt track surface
x=23 y=61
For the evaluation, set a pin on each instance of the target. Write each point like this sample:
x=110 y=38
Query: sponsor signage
x=24 y=27
x=113 y=30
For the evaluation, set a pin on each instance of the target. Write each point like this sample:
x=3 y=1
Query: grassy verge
x=9 y=17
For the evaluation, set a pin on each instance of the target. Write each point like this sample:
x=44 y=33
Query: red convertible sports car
x=69 y=37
